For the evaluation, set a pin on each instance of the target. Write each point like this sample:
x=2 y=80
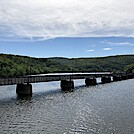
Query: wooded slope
x=14 y=65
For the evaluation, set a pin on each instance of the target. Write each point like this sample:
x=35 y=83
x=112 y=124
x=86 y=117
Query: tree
x=129 y=68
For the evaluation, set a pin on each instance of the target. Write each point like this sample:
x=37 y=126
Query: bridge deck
x=50 y=77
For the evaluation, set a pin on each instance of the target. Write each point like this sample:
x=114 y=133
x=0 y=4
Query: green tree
x=129 y=68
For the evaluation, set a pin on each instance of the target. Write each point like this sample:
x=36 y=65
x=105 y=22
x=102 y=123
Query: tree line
x=15 y=65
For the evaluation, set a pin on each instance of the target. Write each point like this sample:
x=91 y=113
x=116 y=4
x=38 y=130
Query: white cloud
x=93 y=45
x=107 y=49
x=44 y=19
x=90 y=50
x=118 y=43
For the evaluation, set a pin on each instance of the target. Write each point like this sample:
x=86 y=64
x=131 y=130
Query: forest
x=15 y=65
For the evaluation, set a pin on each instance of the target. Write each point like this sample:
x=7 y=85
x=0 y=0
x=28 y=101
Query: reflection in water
x=23 y=97
x=101 y=109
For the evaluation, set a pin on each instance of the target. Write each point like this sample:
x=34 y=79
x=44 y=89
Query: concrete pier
x=105 y=79
x=130 y=76
x=118 y=78
x=67 y=85
x=24 y=89
x=90 y=81
x=124 y=77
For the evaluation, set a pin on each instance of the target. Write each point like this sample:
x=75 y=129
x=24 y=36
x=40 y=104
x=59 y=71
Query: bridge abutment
x=67 y=85
x=90 y=81
x=24 y=89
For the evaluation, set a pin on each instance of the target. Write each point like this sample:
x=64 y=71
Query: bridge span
x=24 y=86
x=50 y=77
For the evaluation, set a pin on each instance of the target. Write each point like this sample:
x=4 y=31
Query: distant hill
x=15 y=65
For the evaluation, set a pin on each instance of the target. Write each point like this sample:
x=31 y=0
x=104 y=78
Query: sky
x=67 y=28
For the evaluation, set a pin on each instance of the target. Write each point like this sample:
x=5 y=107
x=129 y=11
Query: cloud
x=90 y=50
x=118 y=43
x=93 y=45
x=107 y=49
x=45 y=19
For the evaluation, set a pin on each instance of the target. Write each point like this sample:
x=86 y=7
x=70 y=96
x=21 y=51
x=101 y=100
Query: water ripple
x=102 y=109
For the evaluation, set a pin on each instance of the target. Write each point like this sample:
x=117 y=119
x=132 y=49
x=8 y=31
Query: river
x=102 y=109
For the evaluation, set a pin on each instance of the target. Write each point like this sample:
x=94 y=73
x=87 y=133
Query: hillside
x=14 y=65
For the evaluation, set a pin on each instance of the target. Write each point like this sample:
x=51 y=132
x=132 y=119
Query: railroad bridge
x=24 y=86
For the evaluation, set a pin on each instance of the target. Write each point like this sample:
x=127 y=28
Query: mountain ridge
x=17 y=65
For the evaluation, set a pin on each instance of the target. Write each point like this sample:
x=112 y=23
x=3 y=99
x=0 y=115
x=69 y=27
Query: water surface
x=101 y=109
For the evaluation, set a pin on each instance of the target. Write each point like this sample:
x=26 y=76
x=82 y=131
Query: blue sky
x=70 y=47
x=67 y=28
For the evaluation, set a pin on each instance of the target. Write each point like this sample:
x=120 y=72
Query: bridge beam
x=67 y=85
x=24 y=89
x=90 y=81
x=105 y=79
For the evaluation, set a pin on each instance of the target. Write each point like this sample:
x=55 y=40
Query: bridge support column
x=123 y=77
x=130 y=76
x=24 y=89
x=106 y=79
x=67 y=85
x=90 y=81
x=117 y=78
